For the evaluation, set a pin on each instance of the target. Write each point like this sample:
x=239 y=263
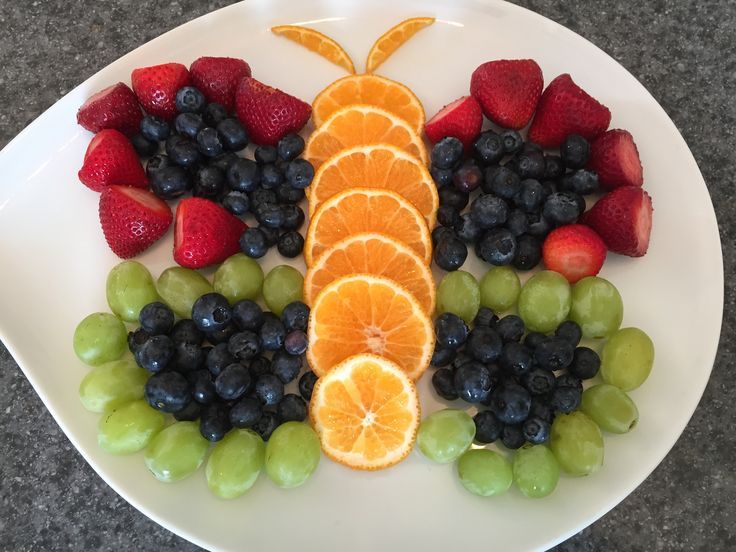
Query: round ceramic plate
x=54 y=262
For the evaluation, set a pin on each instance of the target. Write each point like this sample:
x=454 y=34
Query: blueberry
x=448 y=216
x=222 y=335
x=443 y=382
x=156 y=163
x=236 y=203
x=143 y=146
x=295 y=316
x=289 y=195
x=271 y=234
x=529 y=163
x=488 y=428
x=211 y=312
x=554 y=353
x=253 y=243
x=442 y=356
x=306 y=384
x=168 y=391
x=467 y=229
x=271 y=177
x=541 y=409
x=568 y=380
x=533 y=339
x=266 y=425
x=569 y=331
x=293 y=217
x=218 y=358
x=295 y=342
x=209 y=142
x=247 y=315
x=581 y=182
x=209 y=182
x=243 y=175
x=510 y=403
x=189 y=100
x=246 y=412
x=472 y=382
x=233 y=135
x=510 y=328
x=203 y=388
x=155 y=128
x=497 y=247
x=188 y=357
x=156 y=318
x=260 y=366
x=136 y=339
x=565 y=399
x=561 y=208
x=528 y=252
x=575 y=151
x=517 y=224
x=440 y=233
x=488 y=148
x=502 y=182
x=530 y=196
x=460 y=359
x=450 y=254
x=186 y=331
x=585 y=363
x=290 y=244
x=447 y=153
x=214 y=113
x=269 y=389
x=155 y=354
x=539 y=226
x=536 y=430
x=272 y=332
x=485 y=317
x=244 y=345
x=484 y=344
x=512 y=142
x=539 y=381
x=548 y=188
x=265 y=154
x=170 y=182
x=512 y=437
x=290 y=147
x=488 y=211
x=441 y=177
x=269 y=215
x=233 y=382
x=190 y=413
x=451 y=331
x=189 y=124
x=516 y=359
x=553 y=167
x=214 y=422
x=467 y=178
x=182 y=151
x=292 y=408
x=299 y=173
x=450 y=195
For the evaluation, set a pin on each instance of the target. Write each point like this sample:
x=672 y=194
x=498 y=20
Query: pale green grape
x=239 y=277
x=627 y=358
x=577 y=443
x=536 y=471
x=129 y=428
x=609 y=407
x=596 y=307
x=100 y=338
x=459 y=294
x=484 y=472
x=129 y=288
x=180 y=287
x=235 y=462
x=544 y=301
x=292 y=454
x=445 y=435
x=112 y=384
x=283 y=285
x=499 y=288
x=176 y=452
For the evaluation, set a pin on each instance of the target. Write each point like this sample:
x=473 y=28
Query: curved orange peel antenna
x=317 y=42
x=390 y=41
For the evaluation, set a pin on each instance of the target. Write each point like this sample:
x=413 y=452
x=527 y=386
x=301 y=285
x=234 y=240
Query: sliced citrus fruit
x=366 y=413
x=369 y=90
x=362 y=313
x=360 y=125
x=318 y=43
x=389 y=41
x=375 y=254
x=358 y=210
x=376 y=166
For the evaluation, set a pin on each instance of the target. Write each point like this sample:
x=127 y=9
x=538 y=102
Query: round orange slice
x=376 y=166
x=369 y=90
x=317 y=42
x=358 y=210
x=366 y=413
x=390 y=41
x=362 y=313
x=375 y=254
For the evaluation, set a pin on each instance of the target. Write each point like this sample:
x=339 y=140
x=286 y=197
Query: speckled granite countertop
x=684 y=54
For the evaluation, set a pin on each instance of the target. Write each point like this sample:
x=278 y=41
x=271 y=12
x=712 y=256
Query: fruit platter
x=358 y=296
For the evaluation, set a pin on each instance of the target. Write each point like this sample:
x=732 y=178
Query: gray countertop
x=683 y=52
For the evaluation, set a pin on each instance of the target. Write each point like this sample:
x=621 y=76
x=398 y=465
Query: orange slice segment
x=390 y=41
x=366 y=413
x=369 y=90
x=376 y=166
x=318 y=43
x=361 y=313
x=358 y=210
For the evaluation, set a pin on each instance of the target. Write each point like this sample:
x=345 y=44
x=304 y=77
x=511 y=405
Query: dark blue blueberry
x=203 y=388
x=170 y=182
x=287 y=194
x=561 y=208
x=489 y=211
x=488 y=148
x=292 y=408
x=295 y=316
x=472 y=382
x=529 y=163
x=306 y=384
x=539 y=226
x=189 y=100
x=295 y=342
x=485 y=317
x=243 y=175
x=155 y=354
x=290 y=147
x=512 y=142
x=218 y=358
x=246 y=412
x=186 y=331
x=451 y=331
x=168 y=391
x=188 y=357
x=143 y=146
x=450 y=254
x=224 y=161
x=501 y=181
x=190 y=413
x=222 y=335
x=554 y=353
x=575 y=151
x=442 y=356
x=214 y=113
x=510 y=328
x=530 y=196
x=516 y=359
x=266 y=425
x=269 y=389
x=450 y=195
x=293 y=217
x=155 y=128
x=512 y=437
x=510 y=403
x=460 y=359
x=233 y=135
x=497 y=247
x=467 y=178
x=533 y=339
x=248 y=315
x=565 y=399
x=570 y=331
x=539 y=381
x=156 y=163
x=443 y=382
x=553 y=167
x=136 y=339
x=236 y=203
x=211 y=312
x=488 y=428
x=244 y=345
x=272 y=332
x=269 y=215
x=214 y=422
x=540 y=409
x=585 y=363
x=233 y=382
x=260 y=366
x=209 y=182
x=182 y=151
x=253 y=243
x=536 y=430
x=209 y=142
x=271 y=177
x=581 y=182
x=447 y=153
x=299 y=173
x=440 y=233
x=271 y=235
x=441 y=177
x=265 y=154
x=448 y=216
x=189 y=124
x=484 y=344
x=156 y=318
x=467 y=229
x=568 y=380
x=517 y=223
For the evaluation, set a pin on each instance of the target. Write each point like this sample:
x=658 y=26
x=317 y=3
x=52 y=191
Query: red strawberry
x=461 y=119
x=218 y=78
x=111 y=160
x=565 y=109
x=156 y=87
x=267 y=113
x=114 y=107
x=508 y=90
x=205 y=233
x=132 y=219
x=575 y=251
x=613 y=155
x=623 y=218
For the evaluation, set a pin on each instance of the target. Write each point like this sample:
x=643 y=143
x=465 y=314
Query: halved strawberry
x=218 y=78
x=462 y=119
x=114 y=107
x=156 y=87
x=575 y=251
x=613 y=155
x=110 y=160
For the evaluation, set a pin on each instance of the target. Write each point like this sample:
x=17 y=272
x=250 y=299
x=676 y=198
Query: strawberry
x=205 y=233
x=114 y=107
x=508 y=90
x=623 y=218
x=218 y=78
x=111 y=160
x=267 y=113
x=613 y=155
x=565 y=109
x=156 y=87
x=461 y=119
x=575 y=251
x=132 y=219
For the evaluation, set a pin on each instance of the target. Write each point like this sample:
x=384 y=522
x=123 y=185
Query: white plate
x=53 y=274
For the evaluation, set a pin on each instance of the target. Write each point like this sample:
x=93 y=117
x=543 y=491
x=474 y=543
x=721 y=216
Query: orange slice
x=366 y=413
x=361 y=313
x=360 y=125
x=318 y=43
x=376 y=166
x=369 y=90
x=389 y=42
x=358 y=210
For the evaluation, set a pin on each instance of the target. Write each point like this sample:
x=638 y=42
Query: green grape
x=283 y=285
x=577 y=443
x=499 y=288
x=100 y=338
x=129 y=288
x=459 y=294
x=596 y=307
x=129 y=428
x=627 y=358
x=544 y=301
x=536 y=471
x=609 y=407
x=445 y=435
x=239 y=277
x=292 y=454
x=235 y=463
x=484 y=472
x=180 y=287
x=176 y=452
x=112 y=384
